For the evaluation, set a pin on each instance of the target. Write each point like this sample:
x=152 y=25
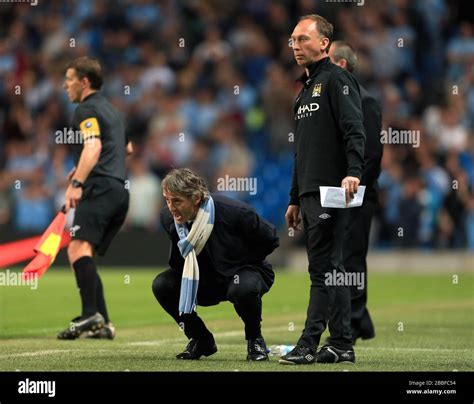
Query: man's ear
x=198 y=200
x=85 y=82
x=326 y=45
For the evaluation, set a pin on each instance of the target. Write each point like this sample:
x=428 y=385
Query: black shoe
x=107 y=332
x=81 y=324
x=330 y=354
x=257 y=350
x=197 y=348
x=300 y=355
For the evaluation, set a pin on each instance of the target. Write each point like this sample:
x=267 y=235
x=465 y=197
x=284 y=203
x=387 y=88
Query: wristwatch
x=76 y=184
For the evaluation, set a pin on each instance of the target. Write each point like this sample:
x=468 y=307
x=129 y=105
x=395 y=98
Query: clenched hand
x=292 y=217
x=351 y=185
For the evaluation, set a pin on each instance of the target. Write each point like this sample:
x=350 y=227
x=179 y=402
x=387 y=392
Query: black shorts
x=101 y=212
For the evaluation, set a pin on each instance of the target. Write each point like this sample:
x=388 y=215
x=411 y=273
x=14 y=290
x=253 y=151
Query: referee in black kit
x=356 y=241
x=330 y=141
x=96 y=190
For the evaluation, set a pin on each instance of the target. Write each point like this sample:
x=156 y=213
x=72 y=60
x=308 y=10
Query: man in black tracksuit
x=330 y=140
x=356 y=241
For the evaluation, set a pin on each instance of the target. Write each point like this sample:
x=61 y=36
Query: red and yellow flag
x=47 y=248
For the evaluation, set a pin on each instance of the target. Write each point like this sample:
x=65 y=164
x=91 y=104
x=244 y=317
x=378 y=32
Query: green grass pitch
x=423 y=322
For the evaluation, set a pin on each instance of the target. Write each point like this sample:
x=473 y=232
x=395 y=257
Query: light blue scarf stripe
x=185 y=247
x=188 y=295
x=209 y=208
x=195 y=244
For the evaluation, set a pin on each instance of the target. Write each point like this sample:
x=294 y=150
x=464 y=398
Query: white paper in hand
x=335 y=197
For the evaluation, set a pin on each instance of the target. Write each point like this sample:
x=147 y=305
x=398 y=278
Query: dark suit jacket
x=239 y=238
x=373 y=147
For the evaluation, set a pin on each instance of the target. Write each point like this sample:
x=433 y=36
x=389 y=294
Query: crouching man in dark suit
x=224 y=244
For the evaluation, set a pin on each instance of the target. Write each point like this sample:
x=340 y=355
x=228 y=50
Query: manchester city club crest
x=317 y=90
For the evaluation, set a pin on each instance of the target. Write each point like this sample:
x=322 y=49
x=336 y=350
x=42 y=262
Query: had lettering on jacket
x=306 y=110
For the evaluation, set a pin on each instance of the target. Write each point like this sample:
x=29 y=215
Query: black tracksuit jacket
x=329 y=135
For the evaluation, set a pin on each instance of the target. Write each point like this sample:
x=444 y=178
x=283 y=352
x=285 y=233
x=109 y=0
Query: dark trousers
x=329 y=301
x=356 y=243
x=244 y=290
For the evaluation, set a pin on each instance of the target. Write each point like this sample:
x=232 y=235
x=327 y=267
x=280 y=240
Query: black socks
x=101 y=306
x=90 y=286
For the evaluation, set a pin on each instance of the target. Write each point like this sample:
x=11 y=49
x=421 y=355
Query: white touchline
x=375 y=348
x=179 y=340
x=37 y=353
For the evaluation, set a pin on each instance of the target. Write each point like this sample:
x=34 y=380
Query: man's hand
x=73 y=196
x=292 y=217
x=351 y=185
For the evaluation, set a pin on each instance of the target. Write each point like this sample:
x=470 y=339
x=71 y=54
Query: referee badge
x=90 y=128
x=317 y=90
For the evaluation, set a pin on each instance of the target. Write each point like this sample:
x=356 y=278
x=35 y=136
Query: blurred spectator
x=202 y=111
x=145 y=196
x=235 y=95
x=232 y=158
x=169 y=143
x=404 y=36
x=449 y=132
x=390 y=183
x=212 y=48
x=22 y=163
x=157 y=73
x=412 y=209
x=460 y=51
x=57 y=172
x=437 y=186
x=32 y=205
x=456 y=205
x=201 y=161
x=278 y=107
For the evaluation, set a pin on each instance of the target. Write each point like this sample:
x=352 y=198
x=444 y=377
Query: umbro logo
x=324 y=216
x=309 y=357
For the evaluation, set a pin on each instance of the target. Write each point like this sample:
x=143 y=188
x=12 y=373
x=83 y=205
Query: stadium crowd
x=210 y=85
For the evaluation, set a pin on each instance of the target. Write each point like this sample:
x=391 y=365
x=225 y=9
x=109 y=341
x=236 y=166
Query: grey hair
x=183 y=181
x=342 y=50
